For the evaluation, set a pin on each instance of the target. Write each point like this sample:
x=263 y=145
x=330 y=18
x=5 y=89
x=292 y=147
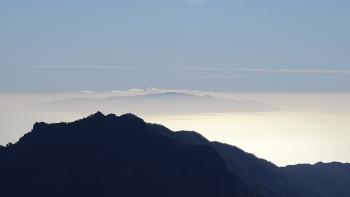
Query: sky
x=221 y=45
x=290 y=55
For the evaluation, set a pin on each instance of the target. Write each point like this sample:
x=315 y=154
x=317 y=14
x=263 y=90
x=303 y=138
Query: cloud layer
x=213 y=69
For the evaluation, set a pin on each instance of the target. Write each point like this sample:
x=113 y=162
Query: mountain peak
x=131 y=117
x=115 y=155
x=98 y=114
x=128 y=157
x=39 y=125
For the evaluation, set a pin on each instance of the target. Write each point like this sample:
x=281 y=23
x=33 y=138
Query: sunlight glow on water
x=309 y=127
x=281 y=137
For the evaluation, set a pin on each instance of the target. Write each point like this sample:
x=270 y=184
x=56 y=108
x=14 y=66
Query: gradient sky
x=294 y=55
x=214 y=45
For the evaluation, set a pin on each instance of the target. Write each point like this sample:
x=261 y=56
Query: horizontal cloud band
x=268 y=70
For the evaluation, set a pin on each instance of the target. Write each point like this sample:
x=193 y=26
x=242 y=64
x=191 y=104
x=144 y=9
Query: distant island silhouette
x=173 y=103
x=109 y=155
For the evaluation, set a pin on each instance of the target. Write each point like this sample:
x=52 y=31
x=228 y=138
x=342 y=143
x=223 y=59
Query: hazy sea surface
x=285 y=128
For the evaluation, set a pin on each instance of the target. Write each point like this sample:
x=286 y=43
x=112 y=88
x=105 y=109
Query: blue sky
x=223 y=45
x=255 y=46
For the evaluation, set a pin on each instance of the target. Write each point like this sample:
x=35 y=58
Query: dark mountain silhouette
x=329 y=179
x=266 y=177
x=325 y=180
x=109 y=155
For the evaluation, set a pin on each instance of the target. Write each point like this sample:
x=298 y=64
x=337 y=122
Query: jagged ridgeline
x=109 y=155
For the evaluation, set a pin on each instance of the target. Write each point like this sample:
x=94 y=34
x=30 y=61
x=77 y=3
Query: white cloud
x=271 y=70
x=136 y=90
x=153 y=89
x=87 y=91
x=214 y=69
x=80 y=67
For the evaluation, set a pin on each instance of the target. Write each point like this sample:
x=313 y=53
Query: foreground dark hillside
x=329 y=179
x=111 y=156
x=124 y=156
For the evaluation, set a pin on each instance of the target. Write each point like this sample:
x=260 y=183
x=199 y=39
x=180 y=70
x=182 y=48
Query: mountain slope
x=329 y=179
x=124 y=156
x=271 y=180
x=266 y=177
x=111 y=156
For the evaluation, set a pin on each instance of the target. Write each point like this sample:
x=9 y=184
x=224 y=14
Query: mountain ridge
x=111 y=156
x=117 y=150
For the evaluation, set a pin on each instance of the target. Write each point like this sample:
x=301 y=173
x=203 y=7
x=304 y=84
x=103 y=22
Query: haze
x=298 y=128
x=284 y=66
